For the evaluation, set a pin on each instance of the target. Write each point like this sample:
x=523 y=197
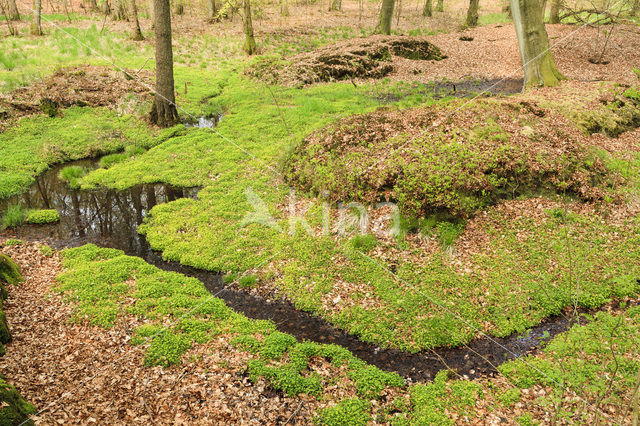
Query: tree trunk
x=249 y=42
x=533 y=41
x=440 y=6
x=635 y=10
x=472 y=13
x=152 y=15
x=555 y=12
x=179 y=8
x=12 y=29
x=213 y=10
x=428 y=8
x=136 y=33
x=386 y=14
x=119 y=11
x=36 y=27
x=336 y=5
x=164 y=112
x=543 y=6
x=13 y=13
x=93 y=6
x=284 y=7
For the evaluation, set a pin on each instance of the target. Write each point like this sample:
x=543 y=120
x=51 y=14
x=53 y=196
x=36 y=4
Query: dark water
x=110 y=218
x=205 y=122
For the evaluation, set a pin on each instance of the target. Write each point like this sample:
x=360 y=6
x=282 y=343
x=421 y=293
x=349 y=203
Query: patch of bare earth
x=79 y=374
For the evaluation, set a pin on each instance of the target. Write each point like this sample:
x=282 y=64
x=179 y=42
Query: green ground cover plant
x=98 y=282
x=209 y=233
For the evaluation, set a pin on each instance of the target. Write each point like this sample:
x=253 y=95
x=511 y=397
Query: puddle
x=467 y=88
x=110 y=218
x=106 y=217
x=205 y=122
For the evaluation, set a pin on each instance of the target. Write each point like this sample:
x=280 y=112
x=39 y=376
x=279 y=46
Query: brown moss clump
x=370 y=57
x=454 y=158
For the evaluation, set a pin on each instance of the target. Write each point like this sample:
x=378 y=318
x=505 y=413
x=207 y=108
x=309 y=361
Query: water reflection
x=107 y=217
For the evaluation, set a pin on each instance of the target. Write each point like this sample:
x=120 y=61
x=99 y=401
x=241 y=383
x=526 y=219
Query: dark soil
x=110 y=218
x=361 y=58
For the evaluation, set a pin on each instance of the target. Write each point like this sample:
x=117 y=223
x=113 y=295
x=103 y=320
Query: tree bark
x=136 y=33
x=164 y=112
x=213 y=10
x=428 y=8
x=12 y=29
x=472 y=13
x=440 y=6
x=284 y=7
x=249 y=42
x=386 y=15
x=152 y=14
x=533 y=41
x=119 y=11
x=543 y=7
x=93 y=6
x=36 y=26
x=13 y=13
x=554 y=18
x=635 y=10
x=336 y=5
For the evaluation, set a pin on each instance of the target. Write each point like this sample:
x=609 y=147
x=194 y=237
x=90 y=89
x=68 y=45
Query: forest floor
x=513 y=208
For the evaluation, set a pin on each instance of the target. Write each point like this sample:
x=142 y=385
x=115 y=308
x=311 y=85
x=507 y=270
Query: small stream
x=110 y=218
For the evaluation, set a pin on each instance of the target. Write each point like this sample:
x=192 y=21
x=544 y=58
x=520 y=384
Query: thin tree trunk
x=119 y=11
x=152 y=15
x=635 y=10
x=93 y=6
x=3 y=9
x=249 y=42
x=164 y=112
x=533 y=41
x=136 y=33
x=36 y=26
x=440 y=6
x=179 y=8
x=65 y=7
x=428 y=8
x=472 y=13
x=213 y=10
x=554 y=18
x=543 y=5
x=13 y=13
x=336 y=5
x=284 y=8
x=386 y=15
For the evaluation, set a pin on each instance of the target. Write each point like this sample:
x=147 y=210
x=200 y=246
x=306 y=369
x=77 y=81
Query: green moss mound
x=15 y=410
x=454 y=158
x=9 y=271
x=38 y=217
x=5 y=334
x=614 y=117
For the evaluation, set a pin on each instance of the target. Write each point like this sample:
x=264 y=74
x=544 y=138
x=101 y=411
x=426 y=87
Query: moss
x=42 y=216
x=72 y=174
x=350 y=411
x=45 y=250
x=286 y=378
x=9 y=271
x=5 y=334
x=14 y=409
x=14 y=216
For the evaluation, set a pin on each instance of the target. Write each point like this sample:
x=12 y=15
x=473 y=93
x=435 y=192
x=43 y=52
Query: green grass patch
x=38 y=217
